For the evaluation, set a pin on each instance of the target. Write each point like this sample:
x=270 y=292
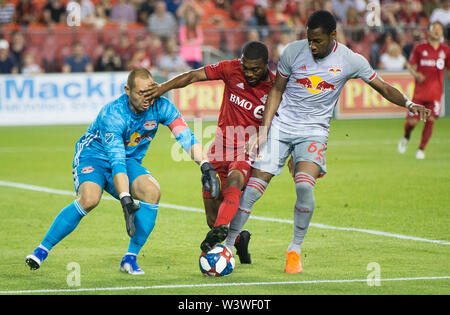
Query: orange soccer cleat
x=293 y=263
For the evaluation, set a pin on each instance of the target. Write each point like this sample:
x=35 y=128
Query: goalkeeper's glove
x=129 y=209
x=210 y=179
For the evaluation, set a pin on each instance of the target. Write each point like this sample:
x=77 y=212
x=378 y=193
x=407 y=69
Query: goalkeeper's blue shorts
x=99 y=172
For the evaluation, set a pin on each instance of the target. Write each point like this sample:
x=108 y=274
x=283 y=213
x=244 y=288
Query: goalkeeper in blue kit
x=109 y=157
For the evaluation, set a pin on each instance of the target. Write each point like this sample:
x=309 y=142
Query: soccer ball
x=217 y=262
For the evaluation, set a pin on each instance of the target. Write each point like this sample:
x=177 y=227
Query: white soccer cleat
x=420 y=155
x=402 y=144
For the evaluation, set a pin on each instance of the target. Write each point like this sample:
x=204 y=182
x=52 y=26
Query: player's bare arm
x=198 y=154
x=177 y=82
x=121 y=183
x=273 y=100
x=270 y=108
x=396 y=97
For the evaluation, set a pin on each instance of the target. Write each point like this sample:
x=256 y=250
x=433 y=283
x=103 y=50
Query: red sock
x=229 y=206
x=426 y=134
x=408 y=129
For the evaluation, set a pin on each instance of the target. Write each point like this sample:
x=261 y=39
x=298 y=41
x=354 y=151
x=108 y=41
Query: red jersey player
x=427 y=64
x=247 y=84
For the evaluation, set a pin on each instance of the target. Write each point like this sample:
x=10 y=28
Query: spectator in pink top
x=191 y=39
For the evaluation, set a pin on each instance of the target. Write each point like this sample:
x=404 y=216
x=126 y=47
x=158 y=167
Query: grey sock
x=303 y=210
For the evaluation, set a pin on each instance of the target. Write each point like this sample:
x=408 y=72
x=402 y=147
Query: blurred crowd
x=172 y=35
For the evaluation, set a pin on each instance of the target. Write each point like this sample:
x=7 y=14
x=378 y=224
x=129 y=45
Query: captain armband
x=183 y=133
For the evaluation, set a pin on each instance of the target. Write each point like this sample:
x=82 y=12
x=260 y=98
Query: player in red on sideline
x=427 y=64
x=247 y=83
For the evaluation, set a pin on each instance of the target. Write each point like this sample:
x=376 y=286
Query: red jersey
x=242 y=104
x=431 y=63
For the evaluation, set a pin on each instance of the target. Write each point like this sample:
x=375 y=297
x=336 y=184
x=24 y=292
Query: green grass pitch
x=369 y=186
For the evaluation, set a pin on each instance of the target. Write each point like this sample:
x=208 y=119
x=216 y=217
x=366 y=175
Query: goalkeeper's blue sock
x=144 y=220
x=65 y=222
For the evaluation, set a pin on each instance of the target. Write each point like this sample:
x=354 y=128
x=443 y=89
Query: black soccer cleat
x=35 y=260
x=33 y=264
x=215 y=236
x=242 y=247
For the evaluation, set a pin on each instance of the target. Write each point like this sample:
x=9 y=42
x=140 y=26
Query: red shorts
x=435 y=107
x=224 y=166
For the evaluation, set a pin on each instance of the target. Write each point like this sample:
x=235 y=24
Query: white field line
x=206 y=285
x=192 y=209
x=331 y=143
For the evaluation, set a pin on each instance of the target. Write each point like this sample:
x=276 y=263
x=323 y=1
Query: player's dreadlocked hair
x=255 y=50
x=138 y=72
x=323 y=19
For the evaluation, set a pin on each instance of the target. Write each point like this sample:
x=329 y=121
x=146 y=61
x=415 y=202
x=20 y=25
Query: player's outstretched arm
x=210 y=178
x=273 y=100
x=191 y=145
x=396 y=97
x=177 y=82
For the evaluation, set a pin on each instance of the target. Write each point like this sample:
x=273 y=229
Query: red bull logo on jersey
x=136 y=138
x=150 y=125
x=335 y=69
x=315 y=84
x=87 y=170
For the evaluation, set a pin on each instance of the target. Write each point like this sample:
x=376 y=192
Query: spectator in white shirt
x=392 y=59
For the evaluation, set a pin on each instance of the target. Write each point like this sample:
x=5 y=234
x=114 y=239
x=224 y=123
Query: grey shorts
x=273 y=154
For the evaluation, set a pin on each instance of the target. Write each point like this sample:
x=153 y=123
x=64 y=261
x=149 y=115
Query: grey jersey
x=314 y=86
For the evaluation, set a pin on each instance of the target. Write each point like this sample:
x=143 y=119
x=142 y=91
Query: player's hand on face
x=424 y=113
x=210 y=180
x=153 y=91
x=150 y=94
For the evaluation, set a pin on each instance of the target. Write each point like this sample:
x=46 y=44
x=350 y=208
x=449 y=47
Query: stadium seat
x=7 y=29
x=36 y=33
x=135 y=29
x=109 y=33
x=87 y=37
x=360 y=48
x=211 y=35
x=235 y=36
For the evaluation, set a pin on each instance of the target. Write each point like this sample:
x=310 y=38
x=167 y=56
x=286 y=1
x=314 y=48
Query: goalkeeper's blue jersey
x=118 y=133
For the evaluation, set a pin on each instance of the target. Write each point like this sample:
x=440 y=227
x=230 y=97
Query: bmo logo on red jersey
x=243 y=103
x=440 y=63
